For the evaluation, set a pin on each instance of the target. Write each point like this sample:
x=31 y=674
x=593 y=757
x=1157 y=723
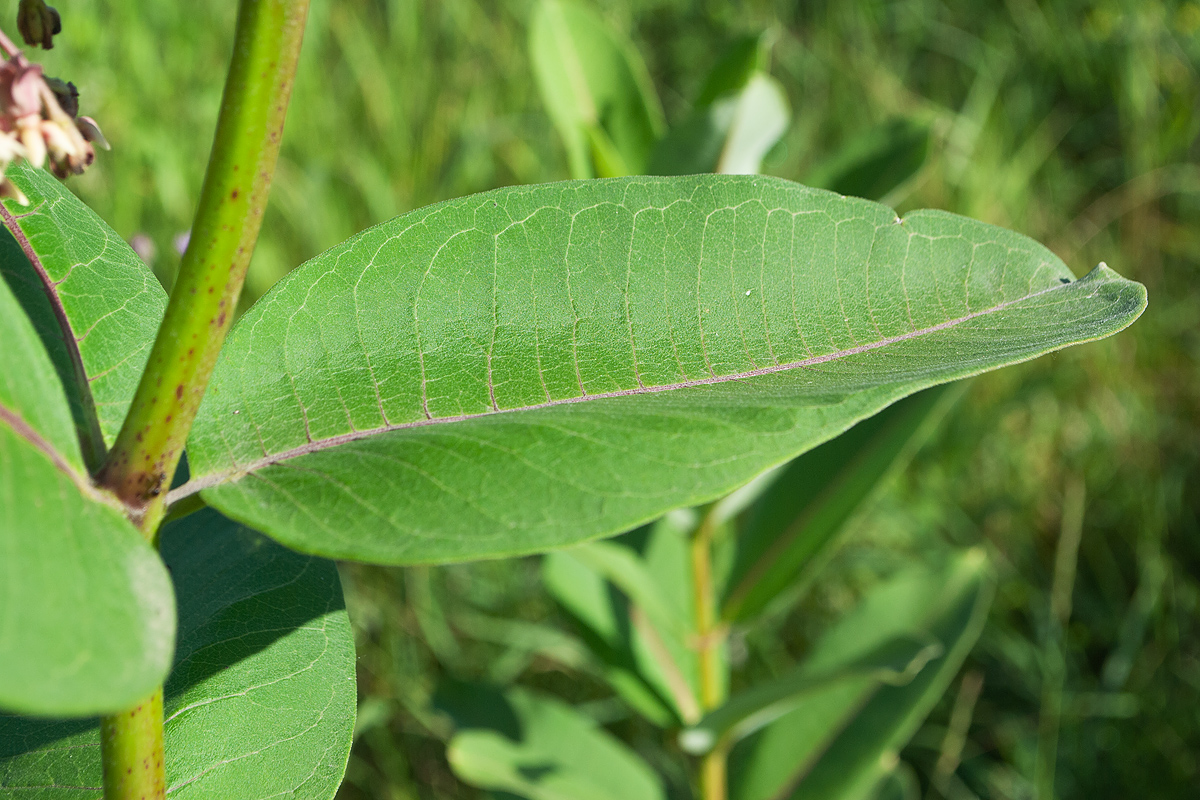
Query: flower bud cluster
x=38 y=23
x=39 y=122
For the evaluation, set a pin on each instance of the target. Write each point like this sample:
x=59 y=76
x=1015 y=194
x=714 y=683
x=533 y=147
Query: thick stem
x=713 y=779
x=131 y=747
x=142 y=462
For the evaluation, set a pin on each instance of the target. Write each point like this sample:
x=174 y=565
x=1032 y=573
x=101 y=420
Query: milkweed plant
x=519 y=371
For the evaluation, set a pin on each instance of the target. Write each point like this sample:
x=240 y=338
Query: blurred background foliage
x=1074 y=122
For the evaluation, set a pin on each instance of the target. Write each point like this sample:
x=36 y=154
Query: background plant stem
x=131 y=747
x=143 y=459
x=712 y=767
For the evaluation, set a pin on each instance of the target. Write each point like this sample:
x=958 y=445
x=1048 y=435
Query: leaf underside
x=261 y=700
x=612 y=348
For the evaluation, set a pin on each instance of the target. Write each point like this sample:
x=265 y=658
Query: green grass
x=1076 y=123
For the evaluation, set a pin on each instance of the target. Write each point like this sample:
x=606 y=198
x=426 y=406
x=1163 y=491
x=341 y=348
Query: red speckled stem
x=142 y=462
x=131 y=744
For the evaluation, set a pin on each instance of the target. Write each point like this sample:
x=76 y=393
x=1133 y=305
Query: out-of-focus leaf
x=733 y=70
x=87 y=617
x=261 y=700
x=876 y=161
x=95 y=305
x=895 y=661
x=738 y=116
x=635 y=596
x=543 y=749
x=730 y=136
x=596 y=90
x=839 y=743
x=792 y=529
x=603 y=614
x=613 y=348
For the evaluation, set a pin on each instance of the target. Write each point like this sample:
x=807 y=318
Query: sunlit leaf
x=612 y=349
x=261 y=699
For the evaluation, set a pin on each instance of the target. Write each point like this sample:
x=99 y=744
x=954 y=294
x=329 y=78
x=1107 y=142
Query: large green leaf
x=261 y=700
x=536 y=366
x=839 y=743
x=596 y=90
x=793 y=527
x=94 y=304
x=542 y=749
x=87 y=617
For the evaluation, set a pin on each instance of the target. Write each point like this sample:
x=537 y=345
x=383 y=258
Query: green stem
x=713 y=781
x=142 y=462
x=131 y=748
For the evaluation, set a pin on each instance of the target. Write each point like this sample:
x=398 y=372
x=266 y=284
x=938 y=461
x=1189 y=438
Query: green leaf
x=839 y=743
x=604 y=617
x=542 y=749
x=261 y=700
x=595 y=88
x=739 y=115
x=876 y=161
x=793 y=528
x=895 y=661
x=733 y=70
x=86 y=610
x=730 y=136
x=537 y=366
x=94 y=304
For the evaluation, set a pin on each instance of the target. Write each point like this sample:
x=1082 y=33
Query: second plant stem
x=710 y=637
x=142 y=462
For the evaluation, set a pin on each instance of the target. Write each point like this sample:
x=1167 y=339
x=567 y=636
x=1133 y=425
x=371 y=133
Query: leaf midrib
x=217 y=478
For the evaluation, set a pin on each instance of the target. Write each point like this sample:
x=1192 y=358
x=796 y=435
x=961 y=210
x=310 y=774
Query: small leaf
x=542 y=749
x=732 y=135
x=94 y=304
x=839 y=743
x=893 y=662
x=609 y=349
x=738 y=116
x=594 y=85
x=261 y=701
x=86 y=611
x=793 y=528
x=604 y=617
x=876 y=161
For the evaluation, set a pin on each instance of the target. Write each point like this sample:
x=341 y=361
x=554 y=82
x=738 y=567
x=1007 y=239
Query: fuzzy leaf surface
x=261 y=700
x=611 y=348
x=87 y=617
x=94 y=303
